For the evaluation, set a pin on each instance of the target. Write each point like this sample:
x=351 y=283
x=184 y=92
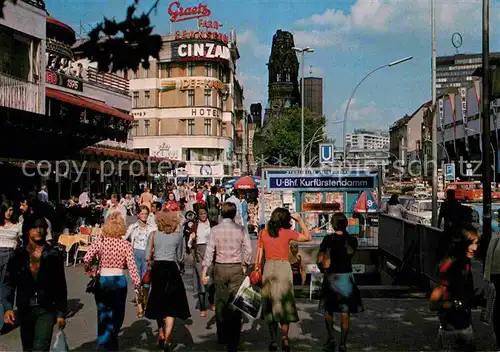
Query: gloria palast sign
x=205 y=51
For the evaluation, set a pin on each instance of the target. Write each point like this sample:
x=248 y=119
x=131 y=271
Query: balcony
x=107 y=80
x=18 y=94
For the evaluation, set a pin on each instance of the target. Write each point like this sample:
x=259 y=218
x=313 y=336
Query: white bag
x=248 y=300
x=61 y=343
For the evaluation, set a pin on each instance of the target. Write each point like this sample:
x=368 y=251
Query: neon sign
x=178 y=13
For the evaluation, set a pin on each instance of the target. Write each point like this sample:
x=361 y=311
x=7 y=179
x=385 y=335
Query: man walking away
x=454 y=215
x=213 y=207
x=233 y=254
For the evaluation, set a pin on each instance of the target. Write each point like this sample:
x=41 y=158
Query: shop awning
x=86 y=103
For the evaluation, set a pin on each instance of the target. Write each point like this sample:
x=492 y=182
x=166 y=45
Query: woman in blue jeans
x=115 y=255
x=138 y=233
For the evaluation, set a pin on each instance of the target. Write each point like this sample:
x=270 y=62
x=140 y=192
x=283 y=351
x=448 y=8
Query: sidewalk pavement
x=387 y=324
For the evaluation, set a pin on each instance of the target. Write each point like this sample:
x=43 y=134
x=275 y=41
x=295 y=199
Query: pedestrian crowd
x=207 y=226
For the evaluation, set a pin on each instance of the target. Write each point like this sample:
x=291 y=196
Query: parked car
x=404 y=200
x=477 y=216
x=420 y=211
x=421 y=193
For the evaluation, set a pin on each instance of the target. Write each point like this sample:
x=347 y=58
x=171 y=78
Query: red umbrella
x=245 y=182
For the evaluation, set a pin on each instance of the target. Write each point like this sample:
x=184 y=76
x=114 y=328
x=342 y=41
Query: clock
x=206 y=170
x=456 y=40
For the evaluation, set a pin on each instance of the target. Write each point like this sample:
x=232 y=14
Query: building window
x=191 y=97
x=190 y=68
x=208 y=97
x=224 y=129
x=135 y=127
x=223 y=103
x=147 y=99
x=208 y=69
x=208 y=127
x=216 y=70
x=146 y=127
x=165 y=70
x=135 y=101
x=190 y=127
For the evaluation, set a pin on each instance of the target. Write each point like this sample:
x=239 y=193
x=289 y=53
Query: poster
x=335 y=198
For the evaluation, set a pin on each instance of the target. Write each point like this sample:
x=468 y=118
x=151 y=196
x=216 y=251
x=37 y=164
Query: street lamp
x=302 y=51
x=390 y=64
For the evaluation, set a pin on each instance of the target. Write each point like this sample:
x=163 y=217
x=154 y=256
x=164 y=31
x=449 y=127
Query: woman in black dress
x=339 y=288
x=167 y=300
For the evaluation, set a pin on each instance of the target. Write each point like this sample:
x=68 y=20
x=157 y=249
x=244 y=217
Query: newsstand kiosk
x=318 y=194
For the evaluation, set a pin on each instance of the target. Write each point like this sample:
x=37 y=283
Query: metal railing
x=108 y=81
x=412 y=244
x=18 y=94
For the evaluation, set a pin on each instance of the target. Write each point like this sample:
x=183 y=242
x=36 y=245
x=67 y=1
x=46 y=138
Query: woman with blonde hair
x=278 y=307
x=114 y=255
x=167 y=299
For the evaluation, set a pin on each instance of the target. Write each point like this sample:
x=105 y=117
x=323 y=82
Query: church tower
x=283 y=68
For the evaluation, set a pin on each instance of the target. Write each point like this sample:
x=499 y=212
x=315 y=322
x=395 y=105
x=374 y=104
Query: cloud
x=254 y=88
x=363 y=115
x=393 y=18
x=249 y=39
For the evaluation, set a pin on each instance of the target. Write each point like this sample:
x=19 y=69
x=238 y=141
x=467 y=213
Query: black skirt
x=168 y=295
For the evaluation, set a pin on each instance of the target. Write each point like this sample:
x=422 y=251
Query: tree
x=117 y=46
x=280 y=140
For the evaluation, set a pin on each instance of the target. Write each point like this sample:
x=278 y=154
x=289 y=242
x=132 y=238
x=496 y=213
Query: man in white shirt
x=84 y=199
x=116 y=206
x=156 y=207
x=234 y=199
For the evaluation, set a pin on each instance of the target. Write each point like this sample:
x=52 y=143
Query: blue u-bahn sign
x=281 y=180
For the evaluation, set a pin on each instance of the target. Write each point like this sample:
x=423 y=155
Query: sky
x=350 y=38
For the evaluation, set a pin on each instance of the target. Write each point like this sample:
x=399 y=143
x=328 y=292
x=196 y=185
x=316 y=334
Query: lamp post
x=302 y=51
x=434 y=217
x=390 y=64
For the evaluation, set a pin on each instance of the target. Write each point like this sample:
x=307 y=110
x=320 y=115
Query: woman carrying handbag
x=110 y=286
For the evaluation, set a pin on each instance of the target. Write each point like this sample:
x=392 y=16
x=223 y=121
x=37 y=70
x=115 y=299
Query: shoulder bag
x=93 y=284
x=146 y=279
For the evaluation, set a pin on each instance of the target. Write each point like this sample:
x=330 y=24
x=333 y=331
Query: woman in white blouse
x=138 y=233
x=10 y=239
x=198 y=240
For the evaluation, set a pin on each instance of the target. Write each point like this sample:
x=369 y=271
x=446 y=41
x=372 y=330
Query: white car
x=421 y=193
x=420 y=211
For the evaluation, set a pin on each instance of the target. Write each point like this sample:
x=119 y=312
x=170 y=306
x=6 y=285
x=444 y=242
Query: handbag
x=93 y=284
x=146 y=279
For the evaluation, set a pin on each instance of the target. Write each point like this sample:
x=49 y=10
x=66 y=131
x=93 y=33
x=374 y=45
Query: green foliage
x=281 y=137
x=117 y=46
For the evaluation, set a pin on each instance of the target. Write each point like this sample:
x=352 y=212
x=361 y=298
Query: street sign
x=326 y=153
x=325 y=182
x=449 y=172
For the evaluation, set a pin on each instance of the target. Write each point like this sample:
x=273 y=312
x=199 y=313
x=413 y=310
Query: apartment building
x=364 y=139
x=187 y=104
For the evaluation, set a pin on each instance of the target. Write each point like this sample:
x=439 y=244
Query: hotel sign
x=187 y=51
x=64 y=81
x=205 y=112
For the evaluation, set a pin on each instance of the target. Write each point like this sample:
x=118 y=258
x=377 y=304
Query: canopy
x=245 y=182
x=366 y=203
